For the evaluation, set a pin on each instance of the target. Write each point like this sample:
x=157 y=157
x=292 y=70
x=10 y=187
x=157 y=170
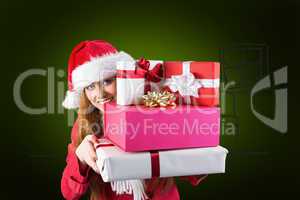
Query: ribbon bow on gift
x=155 y=74
x=186 y=83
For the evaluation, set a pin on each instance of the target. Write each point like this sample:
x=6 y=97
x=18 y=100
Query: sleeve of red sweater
x=73 y=184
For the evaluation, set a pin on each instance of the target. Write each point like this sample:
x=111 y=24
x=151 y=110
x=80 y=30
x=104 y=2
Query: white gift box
x=131 y=82
x=115 y=164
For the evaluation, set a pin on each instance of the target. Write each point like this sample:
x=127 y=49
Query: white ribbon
x=134 y=187
x=186 y=83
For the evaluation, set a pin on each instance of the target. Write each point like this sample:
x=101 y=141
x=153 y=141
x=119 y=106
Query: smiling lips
x=104 y=100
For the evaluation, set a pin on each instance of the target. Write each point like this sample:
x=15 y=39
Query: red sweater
x=74 y=184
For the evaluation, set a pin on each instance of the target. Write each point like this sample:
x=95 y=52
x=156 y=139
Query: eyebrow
x=112 y=77
x=109 y=78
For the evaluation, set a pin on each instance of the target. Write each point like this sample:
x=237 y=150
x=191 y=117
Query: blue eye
x=91 y=86
x=108 y=81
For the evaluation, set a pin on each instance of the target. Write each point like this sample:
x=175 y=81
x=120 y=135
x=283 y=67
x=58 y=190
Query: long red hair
x=90 y=122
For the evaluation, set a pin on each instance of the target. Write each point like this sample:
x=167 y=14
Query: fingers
x=95 y=139
x=87 y=151
x=92 y=163
x=92 y=152
x=92 y=157
x=92 y=138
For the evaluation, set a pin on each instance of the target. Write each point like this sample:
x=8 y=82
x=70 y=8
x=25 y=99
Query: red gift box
x=195 y=83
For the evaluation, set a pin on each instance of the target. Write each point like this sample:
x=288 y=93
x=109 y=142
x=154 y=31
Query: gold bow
x=159 y=99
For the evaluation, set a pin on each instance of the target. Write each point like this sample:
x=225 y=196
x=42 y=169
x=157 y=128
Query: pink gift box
x=139 y=128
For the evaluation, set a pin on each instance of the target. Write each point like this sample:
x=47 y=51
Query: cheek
x=111 y=89
x=90 y=94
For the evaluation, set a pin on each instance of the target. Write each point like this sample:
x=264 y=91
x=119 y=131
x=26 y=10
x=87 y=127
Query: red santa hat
x=90 y=61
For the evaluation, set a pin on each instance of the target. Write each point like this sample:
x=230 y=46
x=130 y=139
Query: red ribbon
x=155 y=74
x=104 y=145
x=142 y=71
x=155 y=167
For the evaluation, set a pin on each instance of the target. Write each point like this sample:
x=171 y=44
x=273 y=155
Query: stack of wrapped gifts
x=165 y=122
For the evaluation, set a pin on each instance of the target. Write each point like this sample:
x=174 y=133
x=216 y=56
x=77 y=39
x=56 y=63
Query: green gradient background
x=40 y=35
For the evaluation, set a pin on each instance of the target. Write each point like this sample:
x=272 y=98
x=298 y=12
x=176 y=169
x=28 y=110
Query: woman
x=91 y=81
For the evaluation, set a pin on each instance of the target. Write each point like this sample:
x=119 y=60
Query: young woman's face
x=101 y=92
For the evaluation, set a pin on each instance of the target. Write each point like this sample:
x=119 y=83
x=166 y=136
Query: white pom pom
x=72 y=100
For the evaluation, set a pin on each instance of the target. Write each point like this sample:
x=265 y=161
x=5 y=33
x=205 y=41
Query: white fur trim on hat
x=97 y=69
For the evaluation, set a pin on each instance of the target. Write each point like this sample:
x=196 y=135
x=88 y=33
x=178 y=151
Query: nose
x=102 y=94
x=101 y=91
